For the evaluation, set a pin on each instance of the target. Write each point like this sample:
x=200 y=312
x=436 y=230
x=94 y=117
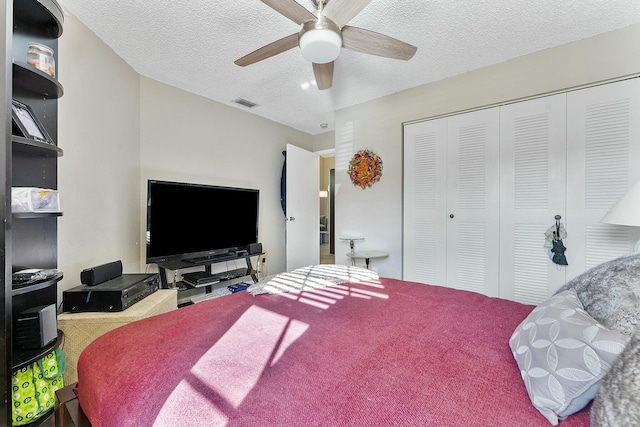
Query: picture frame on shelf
x=27 y=124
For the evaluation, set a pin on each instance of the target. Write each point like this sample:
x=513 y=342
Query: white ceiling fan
x=321 y=37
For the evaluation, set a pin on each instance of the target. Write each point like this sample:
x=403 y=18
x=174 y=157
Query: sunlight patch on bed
x=372 y=283
x=297 y=296
x=294 y=331
x=330 y=293
x=339 y=293
x=290 y=296
x=171 y=413
x=260 y=336
x=313 y=303
x=357 y=292
x=360 y=292
x=355 y=295
x=320 y=298
x=288 y=282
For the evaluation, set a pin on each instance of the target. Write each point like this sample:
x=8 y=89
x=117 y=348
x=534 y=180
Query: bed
x=366 y=351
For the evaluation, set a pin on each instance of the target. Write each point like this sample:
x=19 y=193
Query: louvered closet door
x=473 y=209
x=424 y=241
x=532 y=191
x=603 y=141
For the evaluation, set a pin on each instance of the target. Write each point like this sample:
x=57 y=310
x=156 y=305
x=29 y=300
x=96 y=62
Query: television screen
x=191 y=221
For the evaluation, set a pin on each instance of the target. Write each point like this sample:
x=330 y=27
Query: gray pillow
x=563 y=353
x=610 y=293
x=618 y=400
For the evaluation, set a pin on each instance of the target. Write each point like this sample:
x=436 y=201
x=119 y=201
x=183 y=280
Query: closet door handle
x=450 y=215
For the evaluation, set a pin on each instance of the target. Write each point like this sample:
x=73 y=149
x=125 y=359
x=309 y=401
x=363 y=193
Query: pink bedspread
x=377 y=354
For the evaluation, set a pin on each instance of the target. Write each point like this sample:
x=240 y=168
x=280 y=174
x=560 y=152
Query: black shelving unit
x=29 y=239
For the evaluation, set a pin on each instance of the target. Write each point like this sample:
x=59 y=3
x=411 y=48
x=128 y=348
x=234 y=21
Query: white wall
x=187 y=138
x=376 y=213
x=324 y=141
x=98 y=175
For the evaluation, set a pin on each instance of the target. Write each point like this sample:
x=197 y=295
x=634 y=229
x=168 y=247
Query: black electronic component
x=113 y=295
x=101 y=273
x=36 y=327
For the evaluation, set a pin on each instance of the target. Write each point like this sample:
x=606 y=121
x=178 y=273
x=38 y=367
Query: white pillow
x=563 y=353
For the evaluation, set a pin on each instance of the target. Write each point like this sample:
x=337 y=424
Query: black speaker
x=255 y=248
x=101 y=273
x=35 y=327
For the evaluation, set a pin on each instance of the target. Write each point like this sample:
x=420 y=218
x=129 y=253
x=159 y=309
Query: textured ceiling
x=192 y=45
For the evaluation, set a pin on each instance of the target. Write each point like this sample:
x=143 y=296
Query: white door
x=533 y=170
x=603 y=140
x=303 y=208
x=425 y=202
x=473 y=201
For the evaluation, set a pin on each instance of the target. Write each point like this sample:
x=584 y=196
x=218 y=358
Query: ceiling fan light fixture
x=320 y=41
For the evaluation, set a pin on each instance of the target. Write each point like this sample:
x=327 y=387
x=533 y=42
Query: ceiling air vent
x=244 y=102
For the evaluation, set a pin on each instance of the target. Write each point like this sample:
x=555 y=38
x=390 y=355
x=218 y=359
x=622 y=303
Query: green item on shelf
x=33 y=388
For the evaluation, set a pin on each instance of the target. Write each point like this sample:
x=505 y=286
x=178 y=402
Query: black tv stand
x=207 y=280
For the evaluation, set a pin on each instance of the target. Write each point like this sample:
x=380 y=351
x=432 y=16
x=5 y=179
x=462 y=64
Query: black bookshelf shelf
x=19 y=290
x=44 y=17
x=35 y=148
x=22 y=358
x=34 y=80
x=36 y=214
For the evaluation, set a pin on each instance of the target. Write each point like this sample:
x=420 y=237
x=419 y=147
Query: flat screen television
x=193 y=222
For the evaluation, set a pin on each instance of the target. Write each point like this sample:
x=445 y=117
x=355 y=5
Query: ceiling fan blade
x=269 y=50
x=365 y=41
x=291 y=9
x=324 y=75
x=343 y=11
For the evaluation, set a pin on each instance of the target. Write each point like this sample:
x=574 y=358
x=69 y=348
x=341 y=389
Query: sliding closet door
x=425 y=202
x=603 y=140
x=473 y=201
x=532 y=191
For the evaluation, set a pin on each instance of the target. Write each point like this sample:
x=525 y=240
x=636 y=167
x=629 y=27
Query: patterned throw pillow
x=618 y=400
x=563 y=353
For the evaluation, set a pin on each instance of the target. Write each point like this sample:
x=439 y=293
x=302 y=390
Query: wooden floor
x=325 y=256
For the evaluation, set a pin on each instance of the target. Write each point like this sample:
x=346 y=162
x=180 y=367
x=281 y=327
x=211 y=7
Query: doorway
x=327 y=209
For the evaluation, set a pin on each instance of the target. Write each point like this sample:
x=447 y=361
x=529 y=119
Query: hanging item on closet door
x=283 y=185
x=554 y=236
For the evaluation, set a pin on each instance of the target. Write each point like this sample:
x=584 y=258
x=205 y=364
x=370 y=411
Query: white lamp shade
x=627 y=210
x=320 y=45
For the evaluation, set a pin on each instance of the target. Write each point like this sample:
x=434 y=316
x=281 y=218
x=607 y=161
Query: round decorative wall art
x=365 y=168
